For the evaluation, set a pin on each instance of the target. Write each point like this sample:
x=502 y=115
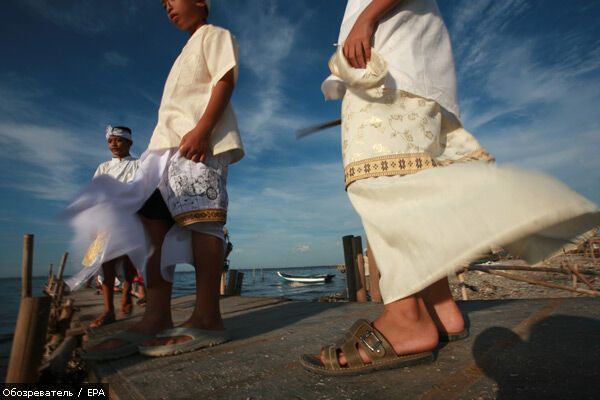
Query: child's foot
x=126 y=309
x=104 y=319
x=209 y=324
x=447 y=317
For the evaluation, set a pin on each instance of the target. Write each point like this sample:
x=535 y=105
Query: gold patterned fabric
x=206 y=215
x=390 y=165
x=391 y=132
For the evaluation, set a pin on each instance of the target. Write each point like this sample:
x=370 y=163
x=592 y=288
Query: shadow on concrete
x=246 y=325
x=559 y=360
x=264 y=320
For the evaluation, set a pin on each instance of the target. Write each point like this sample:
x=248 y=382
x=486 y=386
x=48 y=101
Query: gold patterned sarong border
x=390 y=165
x=404 y=164
x=206 y=215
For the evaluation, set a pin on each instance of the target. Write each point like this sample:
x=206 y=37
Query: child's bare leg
x=406 y=324
x=208 y=259
x=126 y=297
x=107 y=288
x=157 y=314
x=443 y=309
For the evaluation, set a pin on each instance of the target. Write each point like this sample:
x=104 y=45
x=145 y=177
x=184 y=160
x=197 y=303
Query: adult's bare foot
x=442 y=308
x=205 y=323
x=406 y=325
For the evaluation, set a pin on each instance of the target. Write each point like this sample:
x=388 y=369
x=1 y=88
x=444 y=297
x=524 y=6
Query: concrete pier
x=546 y=348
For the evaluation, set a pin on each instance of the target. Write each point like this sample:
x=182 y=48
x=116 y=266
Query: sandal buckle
x=372 y=342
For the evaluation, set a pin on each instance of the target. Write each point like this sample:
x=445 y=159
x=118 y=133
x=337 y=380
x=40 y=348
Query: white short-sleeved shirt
x=208 y=55
x=414 y=41
x=122 y=170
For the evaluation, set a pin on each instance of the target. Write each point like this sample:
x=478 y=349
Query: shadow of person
x=559 y=360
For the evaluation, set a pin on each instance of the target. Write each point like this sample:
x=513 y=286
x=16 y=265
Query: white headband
x=110 y=131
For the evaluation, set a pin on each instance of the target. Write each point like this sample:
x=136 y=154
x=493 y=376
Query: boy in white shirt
x=184 y=174
x=400 y=124
x=122 y=167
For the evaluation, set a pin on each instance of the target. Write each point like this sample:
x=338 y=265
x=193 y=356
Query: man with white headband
x=122 y=166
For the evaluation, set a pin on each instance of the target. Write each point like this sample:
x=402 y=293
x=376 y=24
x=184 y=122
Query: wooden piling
x=349 y=260
x=373 y=277
x=361 y=287
x=26 y=266
x=231 y=282
x=29 y=339
x=63 y=262
x=239 y=280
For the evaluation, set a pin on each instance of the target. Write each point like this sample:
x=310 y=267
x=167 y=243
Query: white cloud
x=116 y=59
x=48 y=159
x=302 y=248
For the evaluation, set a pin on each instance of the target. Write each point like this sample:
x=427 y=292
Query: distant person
x=423 y=186
x=181 y=193
x=139 y=290
x=122 y=166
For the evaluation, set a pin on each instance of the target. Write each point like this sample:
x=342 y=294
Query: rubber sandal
x=201 y=338
x=453 y=337
x=130 y=347
x=379 y=350
x=102 y=320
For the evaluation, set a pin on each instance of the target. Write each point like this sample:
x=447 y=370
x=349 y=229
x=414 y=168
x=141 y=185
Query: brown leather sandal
x=379 y=350
x=102 y=320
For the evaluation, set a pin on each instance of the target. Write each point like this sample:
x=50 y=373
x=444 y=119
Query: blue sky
x=529 y=85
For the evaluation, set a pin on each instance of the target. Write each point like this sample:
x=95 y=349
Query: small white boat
x=306 y=278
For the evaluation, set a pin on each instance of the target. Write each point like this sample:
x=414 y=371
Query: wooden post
x=349 y=260
x=239 y=279
x=63 y=262
x=231 y=282
x=373 y=277
x=361 y=289
x=26 y=266
x=28 y=342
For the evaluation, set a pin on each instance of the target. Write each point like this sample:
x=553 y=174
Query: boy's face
x=119 y=146
x=186 y=14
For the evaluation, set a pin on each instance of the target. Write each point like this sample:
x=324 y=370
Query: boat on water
x=306 y=278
